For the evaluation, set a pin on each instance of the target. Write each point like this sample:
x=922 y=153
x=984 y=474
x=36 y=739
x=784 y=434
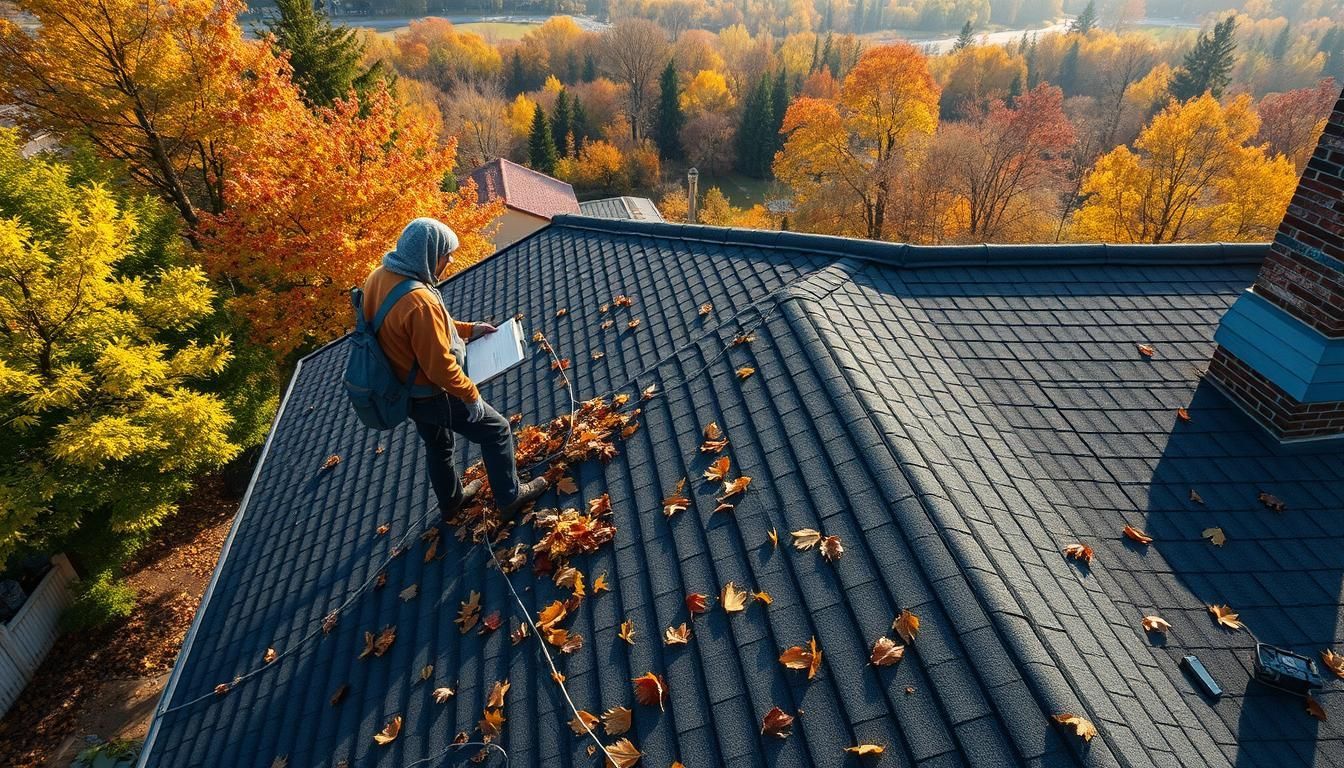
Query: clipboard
x=495 y=353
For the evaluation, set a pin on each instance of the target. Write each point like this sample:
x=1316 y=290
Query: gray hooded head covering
x=422 y=244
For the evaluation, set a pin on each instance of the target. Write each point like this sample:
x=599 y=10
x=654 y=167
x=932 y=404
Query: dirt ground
x=100 y=686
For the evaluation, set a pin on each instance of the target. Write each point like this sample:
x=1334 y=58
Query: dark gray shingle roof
x=956 y=415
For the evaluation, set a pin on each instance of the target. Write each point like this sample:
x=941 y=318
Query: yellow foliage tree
x=103 y=428
x=716 y=210
x=1192 y=176
x=843 y=156
x=599 y=166
x=707 y=92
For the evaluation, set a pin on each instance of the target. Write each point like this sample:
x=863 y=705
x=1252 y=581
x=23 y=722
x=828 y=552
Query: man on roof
x=419 y=330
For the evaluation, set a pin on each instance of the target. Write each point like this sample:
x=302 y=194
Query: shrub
x=98 y=601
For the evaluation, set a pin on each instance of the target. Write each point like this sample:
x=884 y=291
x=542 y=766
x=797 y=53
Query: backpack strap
x=392 y=297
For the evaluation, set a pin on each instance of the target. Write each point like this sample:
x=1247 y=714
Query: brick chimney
x=1280 y=352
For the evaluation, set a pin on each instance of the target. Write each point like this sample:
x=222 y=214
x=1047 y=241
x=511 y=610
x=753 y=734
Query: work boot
x=527 y=493
x=469 y=492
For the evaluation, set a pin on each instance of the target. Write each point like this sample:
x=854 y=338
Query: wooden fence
x=26 y=638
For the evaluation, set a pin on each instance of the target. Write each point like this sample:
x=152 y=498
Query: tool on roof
x=1195 y=667
x=1285 y=670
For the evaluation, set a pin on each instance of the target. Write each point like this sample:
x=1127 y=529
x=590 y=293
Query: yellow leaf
x=270 y=655
x=1081 y=725
x=600 y=585
x=442 y=695
x=1225 y=617
x=492 y=723
x=1215 y=536
x=906 y=625
x=677 y=635
x=732 y=599
x=864 y=750
x=803 y=657
x=806 y=538
x=627 y=632
x=745 y=371
x=764 y=597
x=774 y=538
x=1334 y=662
x=1155 y=624
x=389 y=732
x=496 y=698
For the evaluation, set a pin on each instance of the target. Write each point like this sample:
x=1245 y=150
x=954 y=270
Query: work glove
x=475 y=410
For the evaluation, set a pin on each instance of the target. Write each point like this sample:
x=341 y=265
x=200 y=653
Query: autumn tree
x=160 y=87
x=600 y=166
x=966 y=38
x=315 y=201
x=1086 y=21
x=478 y=115
x=100 y=367
x=1291 y=123
x=434 y=50
x=842 y=156
x=1193 y=175
x=1007 y=166
x=633 y=52
x=1207 y=65
x=670 y=116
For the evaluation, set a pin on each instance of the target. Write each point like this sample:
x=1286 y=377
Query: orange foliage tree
x=159 y=86
x=316 y=199
x=844 y=156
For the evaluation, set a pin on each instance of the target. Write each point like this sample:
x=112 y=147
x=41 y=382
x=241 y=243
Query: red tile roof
x=524 y=189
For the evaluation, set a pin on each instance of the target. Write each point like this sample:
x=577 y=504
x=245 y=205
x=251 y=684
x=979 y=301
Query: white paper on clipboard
x=495 y=353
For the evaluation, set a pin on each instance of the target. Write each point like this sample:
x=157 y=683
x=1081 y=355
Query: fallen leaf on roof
x=886 y=652
x=743 y=338
x=1225 y=617
x=650 y=689
x=339 y=695
x=649 y=392
x=378 y=645
x=633 y=324
x=1081 y=725
x=566 y=485
x=409 y=593
x=270 y=655
x=714 y=446
x=389 y=732
x=623 y=301
x=561 y=364
x=381 y=580
x=906 y=625
x=777 y=723
x=583 y=722
x=806 y=538
x=674 y=504
x=1155 y=624
x=607 y=324
x=597 y=355
x=1134 y=534
x=490 y=623
x=1195 y=497
x=623 y=754
x=1182 y=414
x=803 y=657
x=431 y=550
x=600 y=505
x=443 y=694
x=221 y=689
x=516 y=419
x=712 y=431
x=677 y=635
x=492 y=723
x=497 y=693
x=558 y=677
x=537 y=336
x=718 y=469
x=1272 y=502
x=764 y=597
x=469 y=612
x=732 y=599
x=1215 y=535
x=697 y=603
x=562 y=312
x=280 y=762
x=566 y=641
x=520 y=634
x=616 y=720
x=1333 y=662
x=1315 y=709
x=383 y=529
x=831 y=548
x=723 y=506
x=551 y=614
x=331 y=461
x=570 y=578
x=426 y=672
x=605 y=308
x=600 y=584
x=1147 y=350
x=865 y=750
x=745 y=371
x=706 y=308
x=627 y=632
x=329 y=622
x=1079 y=552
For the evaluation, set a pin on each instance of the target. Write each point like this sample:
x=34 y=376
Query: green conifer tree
x=755 y=145
x=1086 y=21
x=966 y=38
x=1282 y=43
x=589 y=68
x=670 y=117
x=562 y=122
x=1068 y=70
x=1208 y=65
x=779 y=104
x=541 y=154
x=325 y=57
x=578 y=122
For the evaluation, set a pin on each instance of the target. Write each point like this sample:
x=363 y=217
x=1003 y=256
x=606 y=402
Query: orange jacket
x=418 y=328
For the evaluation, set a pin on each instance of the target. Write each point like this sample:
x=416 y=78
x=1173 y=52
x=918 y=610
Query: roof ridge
x=910 y=256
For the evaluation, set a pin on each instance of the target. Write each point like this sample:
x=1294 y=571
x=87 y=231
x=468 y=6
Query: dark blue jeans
x=436 y=419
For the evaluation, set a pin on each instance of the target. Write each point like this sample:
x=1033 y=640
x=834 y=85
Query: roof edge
x=908 y=256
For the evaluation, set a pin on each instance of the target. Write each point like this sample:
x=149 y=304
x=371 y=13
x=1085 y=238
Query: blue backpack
x=380 y=399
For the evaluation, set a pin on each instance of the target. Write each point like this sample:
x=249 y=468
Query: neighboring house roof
x=524 y=189
x=638 y=208
x=956 y=415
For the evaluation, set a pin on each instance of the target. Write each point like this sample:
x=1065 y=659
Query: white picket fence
x=26 y=638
